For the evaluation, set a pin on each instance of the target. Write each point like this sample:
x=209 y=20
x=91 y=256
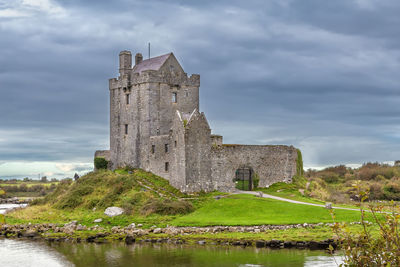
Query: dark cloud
x=321 y=76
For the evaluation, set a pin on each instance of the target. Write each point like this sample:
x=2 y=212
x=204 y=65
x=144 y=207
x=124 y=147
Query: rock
x=257 y=230
x=260 y=243
x=139 y=225
x=98 y=220
x=72 y=223
x=132 y=226
x=30 y=234
x=260 y=194
x=115 y=229
x=328 y=206
x=157 y=231
x=113 y=211
x=81 y=227
x=201 y=242
x=94 y=209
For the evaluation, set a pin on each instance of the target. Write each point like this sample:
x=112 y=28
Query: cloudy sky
x=323 y=76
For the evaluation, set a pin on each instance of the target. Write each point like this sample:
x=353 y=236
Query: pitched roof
x=154 y=63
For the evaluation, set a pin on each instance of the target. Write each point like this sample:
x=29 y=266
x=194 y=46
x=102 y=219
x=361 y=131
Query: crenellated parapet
x=152 y=76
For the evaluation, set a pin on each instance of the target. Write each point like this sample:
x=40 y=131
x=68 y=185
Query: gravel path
x=289 y=200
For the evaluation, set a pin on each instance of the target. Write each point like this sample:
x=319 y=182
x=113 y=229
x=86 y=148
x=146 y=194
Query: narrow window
x=128 y=98
x=176 y=143
x=174 y=97
x=126 y=128
x=153 y=149
x=166 y=166
x=166 y=148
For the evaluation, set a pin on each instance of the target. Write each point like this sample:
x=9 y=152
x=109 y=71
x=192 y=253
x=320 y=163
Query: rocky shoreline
x=73 y=232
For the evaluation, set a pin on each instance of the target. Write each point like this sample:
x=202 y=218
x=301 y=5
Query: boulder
x=157 y=231
x=113 y=211
x=260 y=243
x=98 y=220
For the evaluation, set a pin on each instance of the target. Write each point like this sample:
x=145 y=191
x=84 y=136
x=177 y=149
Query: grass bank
x=150 y=200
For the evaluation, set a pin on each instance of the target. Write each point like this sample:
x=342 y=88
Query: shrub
x=330 y=177
x=299 y=164
x=376 y=191
x=391 y=191
x=100 y=163
x=365 y=249
x=166 y=207
x=340 y=170
x=337 y=197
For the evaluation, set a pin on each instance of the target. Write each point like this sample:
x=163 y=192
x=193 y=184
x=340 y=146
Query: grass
x=47 y=214
x=28 y=184
x=289 y=191
x=295 y=234
x=142 y=195
x=251 y=210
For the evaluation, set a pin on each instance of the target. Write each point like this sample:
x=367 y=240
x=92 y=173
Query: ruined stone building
x=156 y=125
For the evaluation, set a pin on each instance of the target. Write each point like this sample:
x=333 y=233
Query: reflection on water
x=24 y=253
x=119 y=254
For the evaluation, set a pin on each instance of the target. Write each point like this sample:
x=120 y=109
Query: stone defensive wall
x=271 y=163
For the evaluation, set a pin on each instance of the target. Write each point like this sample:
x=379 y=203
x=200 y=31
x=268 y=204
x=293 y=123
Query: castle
x=156 y=125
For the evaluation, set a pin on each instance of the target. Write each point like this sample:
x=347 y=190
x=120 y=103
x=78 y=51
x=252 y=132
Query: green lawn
x=289 y=191
x=251 y=210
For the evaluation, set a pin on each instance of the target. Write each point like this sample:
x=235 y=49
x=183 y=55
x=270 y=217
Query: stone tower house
x=155 y=125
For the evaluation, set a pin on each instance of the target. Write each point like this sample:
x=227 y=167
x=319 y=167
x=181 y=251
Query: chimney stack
x=138 y=58
x=125 y=61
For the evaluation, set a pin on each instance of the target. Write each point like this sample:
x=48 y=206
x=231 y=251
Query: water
x=29 y=253
x=4 y=207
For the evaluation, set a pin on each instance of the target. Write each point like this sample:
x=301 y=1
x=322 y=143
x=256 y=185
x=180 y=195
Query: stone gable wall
x=198 y=146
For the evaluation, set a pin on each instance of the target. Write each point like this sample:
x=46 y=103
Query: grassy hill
x=150 y=200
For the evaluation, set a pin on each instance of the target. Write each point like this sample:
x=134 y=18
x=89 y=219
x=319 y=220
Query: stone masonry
x=156 y=125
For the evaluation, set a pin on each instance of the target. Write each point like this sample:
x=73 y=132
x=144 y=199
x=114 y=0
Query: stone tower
x=143 y=102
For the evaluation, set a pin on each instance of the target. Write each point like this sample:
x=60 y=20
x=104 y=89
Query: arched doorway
x=244 y=178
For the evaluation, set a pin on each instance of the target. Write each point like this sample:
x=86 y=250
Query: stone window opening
x=153 y=149
x=176 y=143
x=126 y=128
x=127 y=97
x=166 y=148
x=174 y=97
x=166 y=166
